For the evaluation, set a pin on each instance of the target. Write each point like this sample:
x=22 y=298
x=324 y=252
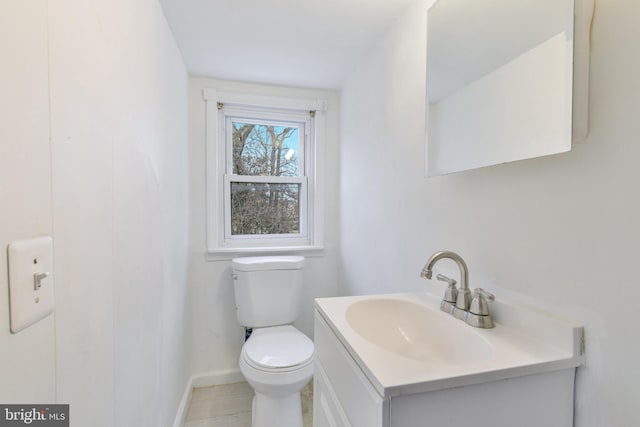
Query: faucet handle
x=451 y=294
x=479 y=305
x=444 y=278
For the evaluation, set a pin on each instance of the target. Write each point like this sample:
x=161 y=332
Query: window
x=262 y=186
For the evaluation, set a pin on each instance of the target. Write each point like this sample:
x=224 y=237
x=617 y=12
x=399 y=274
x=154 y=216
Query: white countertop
x=524 y=341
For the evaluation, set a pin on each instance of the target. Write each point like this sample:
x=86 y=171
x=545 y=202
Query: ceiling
x=304 y=43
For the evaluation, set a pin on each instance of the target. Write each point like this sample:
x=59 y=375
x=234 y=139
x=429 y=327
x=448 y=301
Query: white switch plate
x=30 y=299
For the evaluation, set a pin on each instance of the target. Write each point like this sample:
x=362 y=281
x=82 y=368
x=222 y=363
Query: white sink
x=404 y=343
x=416 y=332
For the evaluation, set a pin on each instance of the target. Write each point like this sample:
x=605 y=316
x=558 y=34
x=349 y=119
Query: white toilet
x=277 y=359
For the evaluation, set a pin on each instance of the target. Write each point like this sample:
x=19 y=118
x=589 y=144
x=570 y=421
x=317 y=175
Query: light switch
x=30 y=281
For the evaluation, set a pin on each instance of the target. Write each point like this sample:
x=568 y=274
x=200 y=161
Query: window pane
x=258 y=208
x=265 y=150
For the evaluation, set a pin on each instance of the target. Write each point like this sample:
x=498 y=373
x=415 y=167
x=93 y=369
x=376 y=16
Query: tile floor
x=229 y=405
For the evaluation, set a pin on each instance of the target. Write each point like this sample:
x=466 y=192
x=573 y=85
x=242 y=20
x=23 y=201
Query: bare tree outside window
x=265 y=208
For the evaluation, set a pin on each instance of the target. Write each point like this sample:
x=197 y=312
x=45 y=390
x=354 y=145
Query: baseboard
x=204 y=380
x=217 y=377
x=184 y=404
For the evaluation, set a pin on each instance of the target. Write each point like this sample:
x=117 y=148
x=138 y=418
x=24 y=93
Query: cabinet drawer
x=363 y=406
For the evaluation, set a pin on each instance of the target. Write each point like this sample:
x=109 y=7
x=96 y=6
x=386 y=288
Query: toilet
x=276 y=359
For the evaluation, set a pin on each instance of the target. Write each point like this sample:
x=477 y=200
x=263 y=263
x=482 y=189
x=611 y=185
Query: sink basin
x=416 y=332
x=404 y=344
x=398 y=360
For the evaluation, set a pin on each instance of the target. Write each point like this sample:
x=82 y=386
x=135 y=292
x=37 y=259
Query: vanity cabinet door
x=344 y=389
x=327 y=411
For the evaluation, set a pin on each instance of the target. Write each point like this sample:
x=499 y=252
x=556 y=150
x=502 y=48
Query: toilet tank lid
x=267 y=263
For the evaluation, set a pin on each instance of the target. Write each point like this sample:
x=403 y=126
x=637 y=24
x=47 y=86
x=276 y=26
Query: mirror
x=499 y=82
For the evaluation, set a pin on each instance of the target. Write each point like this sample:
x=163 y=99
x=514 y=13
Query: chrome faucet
x=458 y=302
x=463 y=300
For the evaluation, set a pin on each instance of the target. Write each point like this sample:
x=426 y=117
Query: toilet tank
x=268 y=289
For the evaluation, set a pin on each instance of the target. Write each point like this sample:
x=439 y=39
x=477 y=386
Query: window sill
x=225 y=254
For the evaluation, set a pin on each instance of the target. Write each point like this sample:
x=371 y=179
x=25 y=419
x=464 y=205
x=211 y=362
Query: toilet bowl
x=277 y=362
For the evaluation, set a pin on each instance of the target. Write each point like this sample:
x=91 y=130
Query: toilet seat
x=278 y=348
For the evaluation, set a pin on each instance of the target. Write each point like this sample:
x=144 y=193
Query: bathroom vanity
x=398 y=361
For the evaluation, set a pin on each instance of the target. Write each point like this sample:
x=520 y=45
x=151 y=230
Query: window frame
x=222 y=106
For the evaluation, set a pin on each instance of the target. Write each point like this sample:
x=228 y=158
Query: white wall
x=217 y=336
x=112 y=189
x=27 y=359
x=561 y=230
